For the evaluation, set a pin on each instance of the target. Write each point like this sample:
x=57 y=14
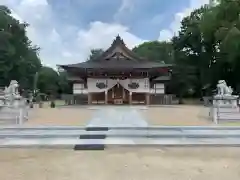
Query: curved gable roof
x=118 y=47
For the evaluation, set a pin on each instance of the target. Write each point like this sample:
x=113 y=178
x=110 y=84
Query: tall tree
x=221 y=25
x=48 y=80
x=197 y=53
x=209 y=42
x=94 y=54
x=156 y=51
x=63 y=83
x=18 y=57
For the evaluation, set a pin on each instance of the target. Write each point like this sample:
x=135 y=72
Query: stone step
x=229 y=117
x=103 y=136
x=38 y=128
x=228 y=114
x=82 y=138
x=228 y=110
x=9 y=121
x=82 y=144
x=114 y=132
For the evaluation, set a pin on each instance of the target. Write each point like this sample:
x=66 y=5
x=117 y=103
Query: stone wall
x=10 y=115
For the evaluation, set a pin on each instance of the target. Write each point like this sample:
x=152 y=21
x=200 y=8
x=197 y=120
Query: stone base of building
x=154 y=99
x=129 y=98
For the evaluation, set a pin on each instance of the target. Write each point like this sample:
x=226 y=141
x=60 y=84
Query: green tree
x=156 y=51
x=195 y=51
x=63 y=83
x=48 y=80
x=220 y=26
x=208 y=45
x=94 y=54
x=18 y=57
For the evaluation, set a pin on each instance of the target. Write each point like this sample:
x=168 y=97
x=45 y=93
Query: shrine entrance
x=117 y=91
x=118 y=95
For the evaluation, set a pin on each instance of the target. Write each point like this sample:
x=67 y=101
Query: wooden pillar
x=147 y=98
x=89 y=98
x=106 y=97
x=130 y=97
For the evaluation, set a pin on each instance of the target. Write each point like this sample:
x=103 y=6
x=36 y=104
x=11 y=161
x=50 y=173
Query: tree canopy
x=156 y=51
x=18 y=56
x=206 y=48
x=19 y=59
x=94 y=54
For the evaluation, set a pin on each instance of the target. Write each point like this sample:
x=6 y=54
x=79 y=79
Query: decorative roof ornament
x=118 y=37
x=118 y=40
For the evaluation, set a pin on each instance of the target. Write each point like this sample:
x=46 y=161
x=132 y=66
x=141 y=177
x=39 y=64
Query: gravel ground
x=59 y=116
x=163 y=115
x=178 y=115
x=121 y=164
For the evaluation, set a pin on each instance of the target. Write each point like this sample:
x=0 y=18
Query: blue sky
x=66 y=30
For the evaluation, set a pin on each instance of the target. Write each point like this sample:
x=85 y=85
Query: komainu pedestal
x=225 y=105
x=224 y=96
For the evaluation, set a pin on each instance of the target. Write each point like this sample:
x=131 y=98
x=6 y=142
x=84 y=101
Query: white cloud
x=62 y=43
x=74 y=44
x=126 y=7
x=100 y=35
x=34 y=3
x=157 y=19
x=167 y=34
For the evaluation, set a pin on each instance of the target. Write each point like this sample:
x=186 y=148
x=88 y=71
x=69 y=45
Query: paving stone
x=117 y=117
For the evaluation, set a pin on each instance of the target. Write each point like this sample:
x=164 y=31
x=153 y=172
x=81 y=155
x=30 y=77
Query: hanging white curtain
x=92 y=82
x=124 y=83
x=143 y=84
x=142 y=88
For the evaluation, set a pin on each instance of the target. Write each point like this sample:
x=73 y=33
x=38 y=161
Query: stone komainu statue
x=223 y=89
x=11 y=92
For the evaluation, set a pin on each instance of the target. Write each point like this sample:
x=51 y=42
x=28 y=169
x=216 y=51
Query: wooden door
x=118 y=92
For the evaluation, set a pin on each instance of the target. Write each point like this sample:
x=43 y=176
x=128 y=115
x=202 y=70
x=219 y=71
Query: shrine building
x=118 y=76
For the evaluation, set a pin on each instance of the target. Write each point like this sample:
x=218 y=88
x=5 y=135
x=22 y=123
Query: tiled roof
x=162 y=78
x=117 y=56
x=116 y=64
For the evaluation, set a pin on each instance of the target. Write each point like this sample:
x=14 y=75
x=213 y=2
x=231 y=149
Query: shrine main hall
x=118 y=76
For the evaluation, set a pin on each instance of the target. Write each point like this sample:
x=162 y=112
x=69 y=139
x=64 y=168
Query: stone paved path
x=124 y=116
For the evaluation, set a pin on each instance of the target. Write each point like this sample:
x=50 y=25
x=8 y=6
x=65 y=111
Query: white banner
x=132 y=85
x=142 y=85
x=92 y=84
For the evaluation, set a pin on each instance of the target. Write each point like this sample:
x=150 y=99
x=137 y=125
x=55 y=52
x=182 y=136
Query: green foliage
x=206 y=49
x=64 y=86
x=156 y=51
x=209 y=41
x=95 y=53
x=18 y=57
x=48 y=80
